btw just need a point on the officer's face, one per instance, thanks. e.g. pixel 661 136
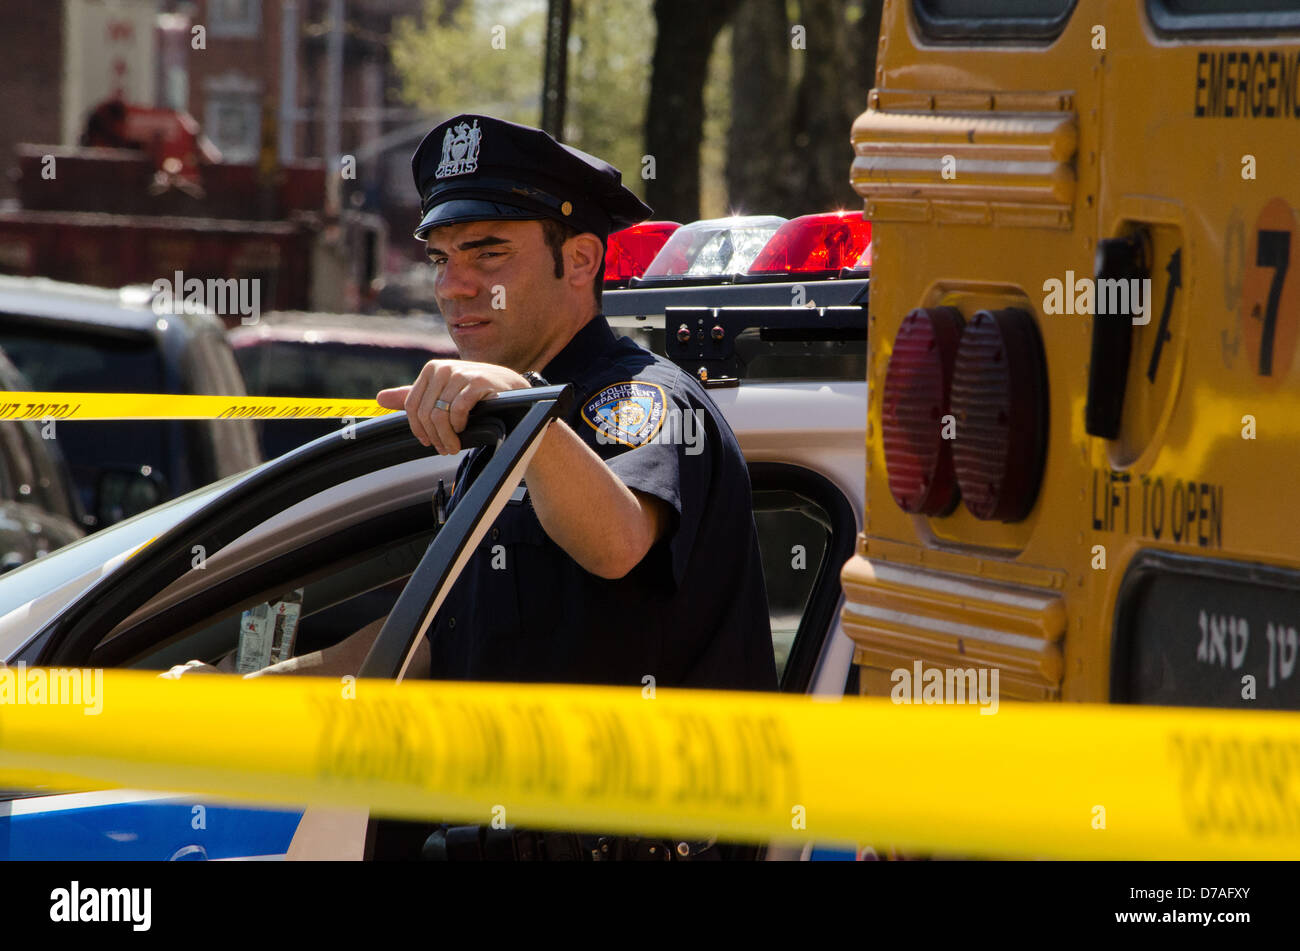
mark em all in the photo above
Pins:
pixel 496 287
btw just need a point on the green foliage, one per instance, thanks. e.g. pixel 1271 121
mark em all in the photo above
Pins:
pixel 448 65
pixel 609 78
pixel 717 120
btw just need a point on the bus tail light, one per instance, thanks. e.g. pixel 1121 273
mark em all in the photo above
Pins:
pixel 999 398
pixel 815 246
pixel 917 381
pixel 630 251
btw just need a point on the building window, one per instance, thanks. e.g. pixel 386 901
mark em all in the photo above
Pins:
pixel 234 18
pixel 233 117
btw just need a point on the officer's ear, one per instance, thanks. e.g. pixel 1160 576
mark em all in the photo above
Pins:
pixel 584 257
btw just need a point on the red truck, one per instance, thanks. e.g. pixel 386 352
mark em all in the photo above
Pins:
pixel 145 196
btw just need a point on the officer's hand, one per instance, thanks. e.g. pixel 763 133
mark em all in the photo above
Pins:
pixel 193 667
pixel 455 382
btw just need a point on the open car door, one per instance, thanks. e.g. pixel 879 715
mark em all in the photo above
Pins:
pixel 160 608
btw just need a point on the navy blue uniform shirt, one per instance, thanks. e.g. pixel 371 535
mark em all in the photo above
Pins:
pixel 693 613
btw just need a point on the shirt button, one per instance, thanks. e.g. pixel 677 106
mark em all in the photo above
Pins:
pixel 451 622
pixel 496 533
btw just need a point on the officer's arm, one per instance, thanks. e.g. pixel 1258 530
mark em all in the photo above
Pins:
pixel 342 658
pixel 583 506
pixel 345 657
pixel 587 510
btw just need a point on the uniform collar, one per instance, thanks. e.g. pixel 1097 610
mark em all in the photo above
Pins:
pixel 586 346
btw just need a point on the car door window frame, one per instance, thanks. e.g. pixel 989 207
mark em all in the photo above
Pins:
pixel 821 611
pixel 302 566
pixel 71 636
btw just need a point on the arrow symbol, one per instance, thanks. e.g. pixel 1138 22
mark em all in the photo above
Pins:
pixel 1175 271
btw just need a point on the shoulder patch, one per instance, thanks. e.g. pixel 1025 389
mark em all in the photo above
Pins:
pixel 628 413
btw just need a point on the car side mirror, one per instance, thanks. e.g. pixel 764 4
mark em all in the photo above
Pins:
pixel 126 492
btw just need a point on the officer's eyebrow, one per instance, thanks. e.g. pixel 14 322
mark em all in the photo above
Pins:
pixel 470 245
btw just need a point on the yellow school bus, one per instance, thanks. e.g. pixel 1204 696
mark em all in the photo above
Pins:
pixel 1083 435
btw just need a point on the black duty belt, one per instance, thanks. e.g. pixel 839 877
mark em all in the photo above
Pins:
pixel 482 843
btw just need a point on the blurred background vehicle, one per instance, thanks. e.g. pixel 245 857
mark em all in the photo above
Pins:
pixel 39 509
pixel 70 338
pixel 330 356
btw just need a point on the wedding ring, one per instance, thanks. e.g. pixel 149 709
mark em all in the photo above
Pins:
pixel 442 404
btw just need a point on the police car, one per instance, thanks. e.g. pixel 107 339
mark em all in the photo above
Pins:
pixel 351 528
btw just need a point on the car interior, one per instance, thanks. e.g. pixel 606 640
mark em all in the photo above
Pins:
pixel 353 576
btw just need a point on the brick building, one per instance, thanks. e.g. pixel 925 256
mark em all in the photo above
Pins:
pixel 58 58
pixel 31 56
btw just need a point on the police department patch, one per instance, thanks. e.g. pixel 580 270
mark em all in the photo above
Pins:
pixel 628 413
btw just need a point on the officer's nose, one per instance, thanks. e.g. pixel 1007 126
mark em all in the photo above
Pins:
pixel 455 282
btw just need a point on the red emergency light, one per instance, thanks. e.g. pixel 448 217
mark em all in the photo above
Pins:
pixel 818 245
pixel 630 251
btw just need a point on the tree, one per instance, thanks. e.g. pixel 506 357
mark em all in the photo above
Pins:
pixel 555 78
pixel 801 72
pixel 674 125
pixel 761 109
pixel 609 60
pixel 480 56
pixel 448 65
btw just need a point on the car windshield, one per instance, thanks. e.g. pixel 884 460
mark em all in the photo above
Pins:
pixel 328 369
pixel 325 370
pixel 43 575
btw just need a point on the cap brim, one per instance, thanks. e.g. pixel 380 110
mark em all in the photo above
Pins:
pixel 460 210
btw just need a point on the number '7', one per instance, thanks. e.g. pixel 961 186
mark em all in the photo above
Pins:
pixel 1275 252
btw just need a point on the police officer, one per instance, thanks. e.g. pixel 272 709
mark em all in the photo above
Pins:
pixel 633 553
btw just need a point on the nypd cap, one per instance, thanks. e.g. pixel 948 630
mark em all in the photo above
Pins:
pixel 476 168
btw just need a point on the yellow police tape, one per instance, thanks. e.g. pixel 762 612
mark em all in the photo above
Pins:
pixel 39 407
pixel 1061 780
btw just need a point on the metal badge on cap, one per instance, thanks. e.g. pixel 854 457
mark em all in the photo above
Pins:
pixel 459 151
